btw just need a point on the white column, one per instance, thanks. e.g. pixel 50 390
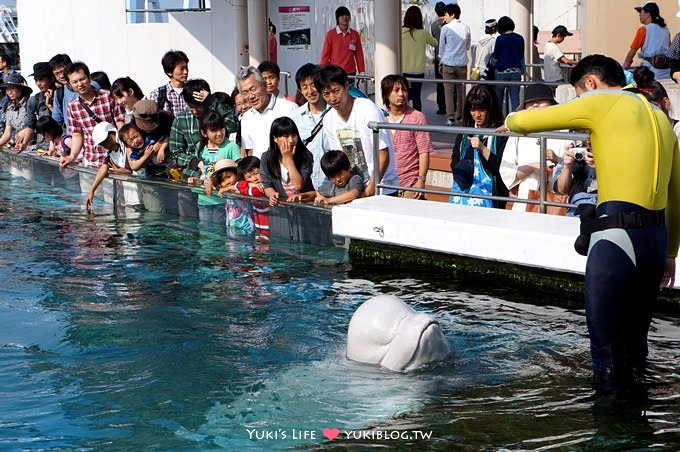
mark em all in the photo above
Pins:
pixel 258 31
pixel 387 42
pixel 240 33
pixel 520 13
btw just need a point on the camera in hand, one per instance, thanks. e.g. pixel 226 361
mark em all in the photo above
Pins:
pixel 579 153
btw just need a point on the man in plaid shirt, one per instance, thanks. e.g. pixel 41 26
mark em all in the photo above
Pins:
pixel 176 66
pixel 101 108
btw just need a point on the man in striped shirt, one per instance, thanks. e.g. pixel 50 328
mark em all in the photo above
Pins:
pixel 411 148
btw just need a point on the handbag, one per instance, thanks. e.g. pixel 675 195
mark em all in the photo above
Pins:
pixel 661 62
pixel 481 185
pixel 658 61
pixel 479 70
pixel 535 195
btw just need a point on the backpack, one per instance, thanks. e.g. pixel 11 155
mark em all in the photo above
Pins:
pixel 59 95
pixel 163 98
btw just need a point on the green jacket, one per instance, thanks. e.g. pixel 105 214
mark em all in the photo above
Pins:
pixel 185 135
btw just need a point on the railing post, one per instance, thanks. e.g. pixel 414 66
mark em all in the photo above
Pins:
pixel 542 174
pixel 286 77
pixel 376 162
pixel 114 184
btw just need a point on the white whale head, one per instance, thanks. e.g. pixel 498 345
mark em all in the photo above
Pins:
pixel 386 331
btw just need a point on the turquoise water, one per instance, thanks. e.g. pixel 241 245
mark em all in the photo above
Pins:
pixel 150 333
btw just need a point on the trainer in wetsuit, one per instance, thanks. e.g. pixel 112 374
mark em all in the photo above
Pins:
pixel 632 252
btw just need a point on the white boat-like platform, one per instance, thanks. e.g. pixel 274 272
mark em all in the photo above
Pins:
pixel 527 239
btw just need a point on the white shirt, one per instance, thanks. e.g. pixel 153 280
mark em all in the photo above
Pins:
pixel 255 126
pixel 552 71
pixel 355 138
pixel 454 42
pixel 520 151
pixel 119 157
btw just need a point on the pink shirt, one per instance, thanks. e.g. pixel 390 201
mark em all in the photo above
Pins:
pixel 408 145
pixel 343 49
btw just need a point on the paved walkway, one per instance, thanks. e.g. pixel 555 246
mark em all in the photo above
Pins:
pixel 442 142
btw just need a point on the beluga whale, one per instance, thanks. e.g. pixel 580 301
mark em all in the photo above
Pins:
pixel 386 331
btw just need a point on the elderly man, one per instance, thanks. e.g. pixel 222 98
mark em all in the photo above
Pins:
pixel 265 108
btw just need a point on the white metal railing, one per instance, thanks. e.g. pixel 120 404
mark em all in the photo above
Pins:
pixel 543 136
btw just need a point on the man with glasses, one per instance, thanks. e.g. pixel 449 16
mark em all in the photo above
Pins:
pixel 265 108
pixel 64 93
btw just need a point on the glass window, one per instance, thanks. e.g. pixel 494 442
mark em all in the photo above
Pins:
pixel 156 11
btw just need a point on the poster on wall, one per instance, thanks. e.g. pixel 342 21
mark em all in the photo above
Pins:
pixel 295 34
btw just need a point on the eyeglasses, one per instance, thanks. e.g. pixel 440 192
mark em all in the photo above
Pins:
pixel 252 90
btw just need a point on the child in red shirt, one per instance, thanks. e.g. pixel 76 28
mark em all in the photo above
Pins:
pixel 250 184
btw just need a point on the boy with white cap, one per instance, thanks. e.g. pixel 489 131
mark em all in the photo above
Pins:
pixel 105 135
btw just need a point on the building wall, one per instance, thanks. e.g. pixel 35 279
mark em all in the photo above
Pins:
pixel 612 24
pixel 96 32
pixel 102 39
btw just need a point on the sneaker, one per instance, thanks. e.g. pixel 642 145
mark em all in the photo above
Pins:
pixel 441 111
pixel 450 122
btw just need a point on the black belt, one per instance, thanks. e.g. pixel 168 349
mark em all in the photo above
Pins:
pixel 628 220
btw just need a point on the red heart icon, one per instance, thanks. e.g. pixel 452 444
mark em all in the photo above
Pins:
pixel 331 433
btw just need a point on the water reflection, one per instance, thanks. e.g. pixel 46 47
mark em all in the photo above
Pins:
pixel 151 332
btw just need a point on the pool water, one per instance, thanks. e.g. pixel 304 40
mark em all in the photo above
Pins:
pixel 149 332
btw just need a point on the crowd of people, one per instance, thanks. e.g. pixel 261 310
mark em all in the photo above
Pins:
pixel 172 132
pixel 183 131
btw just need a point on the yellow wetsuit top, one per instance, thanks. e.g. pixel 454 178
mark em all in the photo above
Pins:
pixel 635 149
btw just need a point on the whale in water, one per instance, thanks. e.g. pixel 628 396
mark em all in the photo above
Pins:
pixel 386 331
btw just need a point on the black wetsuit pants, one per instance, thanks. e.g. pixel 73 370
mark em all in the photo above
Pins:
pixel 623 273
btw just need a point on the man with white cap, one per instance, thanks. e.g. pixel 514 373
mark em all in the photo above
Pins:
pixel 553 56
pixel 105 135
pixel 652 40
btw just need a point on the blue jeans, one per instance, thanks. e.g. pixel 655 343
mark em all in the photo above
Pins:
pixel 416 87
pixel 513 91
